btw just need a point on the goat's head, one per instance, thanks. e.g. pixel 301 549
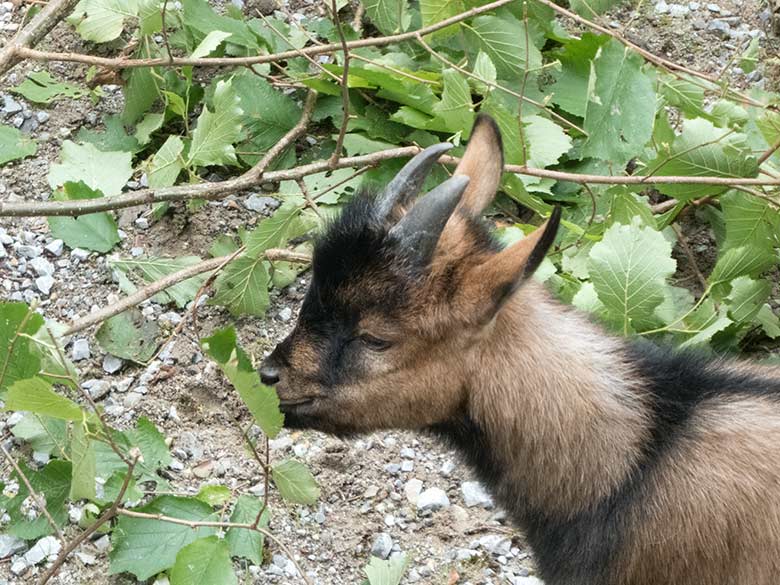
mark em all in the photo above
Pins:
pixel 400 292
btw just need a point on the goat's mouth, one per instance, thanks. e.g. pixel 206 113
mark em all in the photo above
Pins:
pixel 293 402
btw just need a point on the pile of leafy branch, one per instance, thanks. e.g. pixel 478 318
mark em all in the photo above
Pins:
pixel 588 123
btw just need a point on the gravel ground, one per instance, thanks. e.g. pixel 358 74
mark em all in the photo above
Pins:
pixel 381 494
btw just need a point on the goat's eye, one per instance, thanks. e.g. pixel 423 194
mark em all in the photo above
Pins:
pixel 374 343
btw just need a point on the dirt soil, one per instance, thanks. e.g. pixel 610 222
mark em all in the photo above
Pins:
pixel 363 481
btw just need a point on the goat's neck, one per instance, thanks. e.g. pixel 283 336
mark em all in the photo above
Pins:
pixel 556 406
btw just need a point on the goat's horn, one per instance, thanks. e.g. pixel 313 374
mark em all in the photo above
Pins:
pixel 407 183
pixel 420 228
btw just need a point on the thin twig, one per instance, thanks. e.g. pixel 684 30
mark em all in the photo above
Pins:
pixel 39 501
pixel 683 241
pixel 195 301
pixel 32 33
pixel 168 281
pixel 165 31
pixel 309 201
pixel 214 191
pixel 107 516
pixel 764 157
pixel 122 63
pixel 334 159
pixel 88 397
pixel 494 85
pixel 224 525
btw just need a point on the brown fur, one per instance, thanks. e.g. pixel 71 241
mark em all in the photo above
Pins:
pixel 565 411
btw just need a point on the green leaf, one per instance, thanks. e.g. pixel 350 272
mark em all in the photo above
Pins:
pixel 267 115
pixel 455 107
pixel 18 358
pixel 53 483
pixel 741 261
pixel 389 572
pixel 244 543
pixel 546 141
pixel 107 172
pixel 209 44
pixel 149 124
pixel 43 433
pixel 746 298
pixel 749 58
pixel 272 232
pixel 242 286
pixel 153 269
pixel 261 400
pixel 14 144
pixel 200 19
pixel 590 8
pixel 94 231
pixel 113 139
pixel 204 562
pixel 151 443
pixel 103 20
pixel 485 71
pixel 749 221
pixel 213 138
pixel 702 150
pixel 621 105
pixel 629 268
pixel 295 482
pixel 626 206
pixel 36 395
pixel 82 455
pixel 42 88
pixel 573 84
pixel 215 495
pixel 502 39
pixel 389 16
pixel 129 336
pixel 167 163
pixel 769 322
pixel 144 547
pixel 683 94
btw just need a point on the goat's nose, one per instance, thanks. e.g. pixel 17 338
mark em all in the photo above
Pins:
pixel 269 374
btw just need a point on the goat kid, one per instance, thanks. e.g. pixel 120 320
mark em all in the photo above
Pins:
pixel 623 464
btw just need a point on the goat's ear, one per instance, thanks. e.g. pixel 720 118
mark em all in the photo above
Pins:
pixel 483 163
pixel 489 285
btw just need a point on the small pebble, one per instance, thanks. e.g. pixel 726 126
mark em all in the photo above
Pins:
pixel 112 364
pixel 80 350
pixel 383 546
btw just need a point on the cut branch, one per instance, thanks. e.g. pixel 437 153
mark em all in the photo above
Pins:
pixel 122 63
pixel 212 191
pixel 32 33
pixel 157 286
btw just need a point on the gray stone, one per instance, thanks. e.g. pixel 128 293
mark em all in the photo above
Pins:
pixel 678 10
pixel 142 223
pixel 19 566
pixel 408 453
pixel 41 550
pixel 475 495
pixel 98 389
pixel 447 468
pixel 526 581
pixel 285 314
pixel 112 364
pixel 41 457
pixel 383 545
pixel 393 468
pixel 80 350
pixel 720 27
pixel 44 284
pixel 41 266
pixel 42 117
pixel 412 489
pixel 28 251
pixel 661 7
pixel 132 399
pixel 10 545
pixel 79 254
pixel 55 247
pixel 713 8
pixel 260 203
pixel 496 544
pixel 407 466
pixel 10 105
pixel 432 499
